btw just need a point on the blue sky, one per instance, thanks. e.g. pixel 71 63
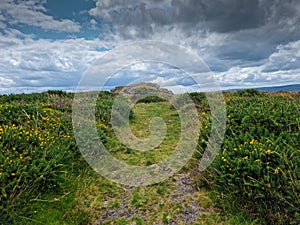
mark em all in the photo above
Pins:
pixel 49 44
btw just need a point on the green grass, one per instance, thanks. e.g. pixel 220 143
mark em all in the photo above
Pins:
pixel 45 180
pixel 86 197
pixel 140 127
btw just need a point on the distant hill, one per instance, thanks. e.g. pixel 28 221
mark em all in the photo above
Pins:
pixel 289 88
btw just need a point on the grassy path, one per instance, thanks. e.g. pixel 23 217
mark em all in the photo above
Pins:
pixel 175 201
pixel 90 199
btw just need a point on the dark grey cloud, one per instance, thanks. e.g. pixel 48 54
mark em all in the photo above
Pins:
pixel 253 28
pixel 221 16
pixel 217 15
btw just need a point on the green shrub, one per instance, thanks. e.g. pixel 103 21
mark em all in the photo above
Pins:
pixel 262 176
pixel 37 148
pixel 257 168
pixel 249 93
pixel 150 99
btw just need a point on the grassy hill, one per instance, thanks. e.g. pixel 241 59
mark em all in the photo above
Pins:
pixel 254 179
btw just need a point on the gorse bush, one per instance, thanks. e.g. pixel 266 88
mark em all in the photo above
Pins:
pixel 22 98
pixel 257 168
pixel 36 149
pixel 249 93
pixel 263 175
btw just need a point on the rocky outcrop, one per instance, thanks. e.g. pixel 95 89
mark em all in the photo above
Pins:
pixel 141 89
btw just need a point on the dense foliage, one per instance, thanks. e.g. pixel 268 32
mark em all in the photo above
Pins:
pixel 258 167
pixel 36 145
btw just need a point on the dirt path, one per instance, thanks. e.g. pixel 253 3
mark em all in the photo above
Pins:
pixel 192 204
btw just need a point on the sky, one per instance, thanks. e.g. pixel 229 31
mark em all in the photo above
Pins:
pixel 50 44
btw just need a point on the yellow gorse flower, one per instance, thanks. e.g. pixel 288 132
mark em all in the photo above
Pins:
pixel 269 151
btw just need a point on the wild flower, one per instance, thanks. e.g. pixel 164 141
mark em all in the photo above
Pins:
pixel 269 151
